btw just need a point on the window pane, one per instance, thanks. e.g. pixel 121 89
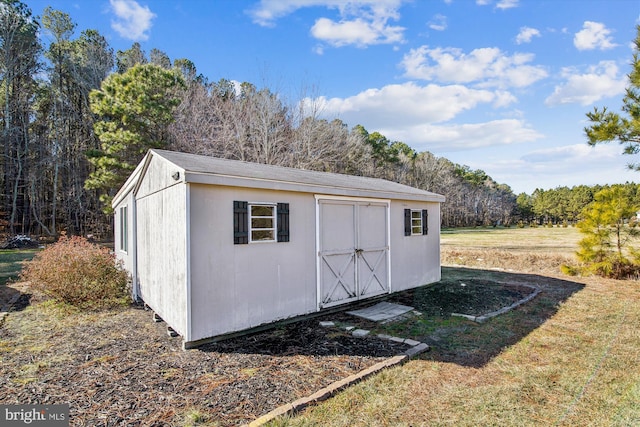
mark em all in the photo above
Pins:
pixel 258 210
pixel 257 235
pixel 261 222
pixel 416 221
pixel 123 228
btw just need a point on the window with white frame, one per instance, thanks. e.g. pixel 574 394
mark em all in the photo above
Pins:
pixel 262 222
pixel 416 221
pixel 123 229
pixel 255 222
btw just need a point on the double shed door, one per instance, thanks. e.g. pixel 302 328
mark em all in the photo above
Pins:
pixel 353 250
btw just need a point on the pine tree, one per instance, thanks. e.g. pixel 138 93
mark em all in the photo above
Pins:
pixel 609 227
pixel 134 109
pixel 608 126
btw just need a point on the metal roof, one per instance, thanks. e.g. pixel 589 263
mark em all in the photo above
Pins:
pixel 214 170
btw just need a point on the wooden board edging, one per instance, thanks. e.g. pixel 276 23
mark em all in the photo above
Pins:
pixel 337 386
pixel 327 392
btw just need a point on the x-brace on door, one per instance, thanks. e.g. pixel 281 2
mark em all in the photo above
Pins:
pixel 353 250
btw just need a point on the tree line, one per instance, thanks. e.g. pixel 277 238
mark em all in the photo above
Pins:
pixel 77 117
pixel 564 205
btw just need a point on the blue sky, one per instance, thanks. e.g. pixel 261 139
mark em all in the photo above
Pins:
pixel 498 85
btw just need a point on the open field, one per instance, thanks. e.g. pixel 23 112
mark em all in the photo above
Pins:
pixel 569 357
pixel 537 250
pixel 543 240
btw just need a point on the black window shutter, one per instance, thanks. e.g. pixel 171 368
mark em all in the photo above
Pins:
pixel 240 223
pixel 425 221
pixel 283 222
pixel 407 222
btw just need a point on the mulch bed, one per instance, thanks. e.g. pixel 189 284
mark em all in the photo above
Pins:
pixel 120 368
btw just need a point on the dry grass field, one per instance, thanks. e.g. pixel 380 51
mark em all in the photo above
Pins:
pixel 536 250
pixel 569 357
pixel 541 240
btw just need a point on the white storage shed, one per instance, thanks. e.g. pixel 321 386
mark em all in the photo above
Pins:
pixel 218 246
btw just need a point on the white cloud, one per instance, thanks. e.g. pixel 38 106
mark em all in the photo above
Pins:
pixel 594 35
pixel 407 104
pixel 569 165
pixel 507 4
pixel 361 22
pixel 501 4
pixel 578 153
pixel 486 67
pixel 438 23
pixel 458 137
pixel 526 34
pixel 268 11
pixel 132 20
pixel 503 98
pixel 418 116
pixel 599 81
pixel 358 32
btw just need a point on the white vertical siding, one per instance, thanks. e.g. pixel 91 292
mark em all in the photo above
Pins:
pixel 162 245
pixel 415 260
pixel 159 175
pixel 235 287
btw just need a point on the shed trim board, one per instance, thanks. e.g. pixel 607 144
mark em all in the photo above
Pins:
pixel 187 221
pixel 275 184
pixel 204 284
pixel 135 286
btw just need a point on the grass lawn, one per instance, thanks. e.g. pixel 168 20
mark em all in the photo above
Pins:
pixel 569 357
pixel 11 263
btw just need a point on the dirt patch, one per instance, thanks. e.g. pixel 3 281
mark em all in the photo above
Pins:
pixel 473 297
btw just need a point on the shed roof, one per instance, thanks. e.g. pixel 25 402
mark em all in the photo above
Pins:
pixel 218 171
